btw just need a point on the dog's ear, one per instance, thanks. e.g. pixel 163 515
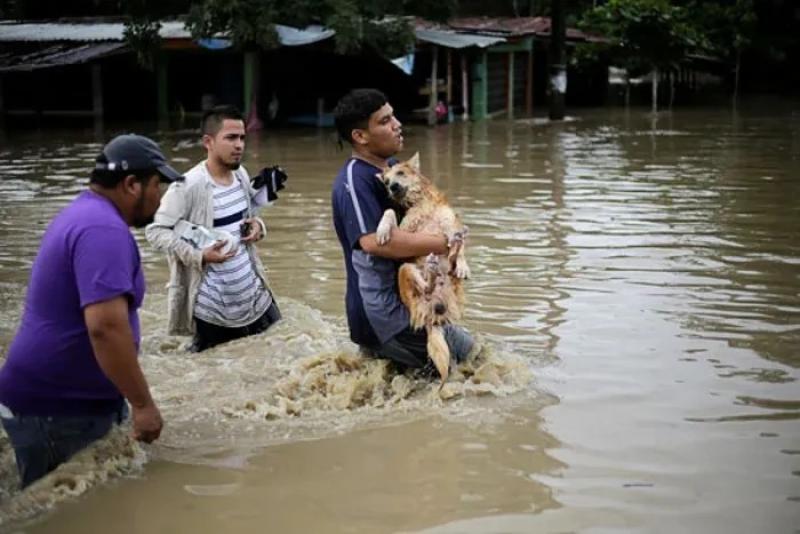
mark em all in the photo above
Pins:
pixel 414 161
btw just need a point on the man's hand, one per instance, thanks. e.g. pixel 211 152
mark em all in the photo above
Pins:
pixel 214 254
pixel 255 230
pixel 147 423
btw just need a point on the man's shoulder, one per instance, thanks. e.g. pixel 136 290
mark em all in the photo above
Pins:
pixel 359 174
pixel 365 170
pixel 242 173
pixel 195 175
pixel 89 211
pixel 346 177
pixel 89 230
pixel 198 175
pixel 340 181
pixel 195 181
pixel 359 178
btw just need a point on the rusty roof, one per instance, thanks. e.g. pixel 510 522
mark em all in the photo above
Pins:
pixel 514 27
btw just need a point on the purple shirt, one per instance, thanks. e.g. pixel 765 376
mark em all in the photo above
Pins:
pixel 88 255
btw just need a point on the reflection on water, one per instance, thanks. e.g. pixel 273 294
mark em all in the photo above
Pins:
pixel 645 273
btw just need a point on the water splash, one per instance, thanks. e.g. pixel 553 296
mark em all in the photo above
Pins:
pixel 112 457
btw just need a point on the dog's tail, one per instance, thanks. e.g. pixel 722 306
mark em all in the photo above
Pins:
pixel 438 351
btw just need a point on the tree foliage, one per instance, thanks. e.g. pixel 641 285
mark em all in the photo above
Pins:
pixel 382 25
pixel 142 35
pixel 759 33
pixel 728 27
pixel 642 34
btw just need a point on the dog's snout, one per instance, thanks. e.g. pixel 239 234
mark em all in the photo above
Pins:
pixel 394 187
pixel 439 308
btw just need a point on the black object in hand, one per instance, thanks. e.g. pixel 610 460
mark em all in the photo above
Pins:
pixel 273 179
pixel 245 228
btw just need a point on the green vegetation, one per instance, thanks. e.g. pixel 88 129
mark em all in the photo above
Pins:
pixel 730 30
pixel 380 25
pixel 643 36
pixel 756 38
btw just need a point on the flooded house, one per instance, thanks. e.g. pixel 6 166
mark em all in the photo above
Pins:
pixel 469 68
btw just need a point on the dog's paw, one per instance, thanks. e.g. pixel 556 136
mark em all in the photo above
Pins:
pixel 456 238
pixel 432 262
pixel 462 270
pixel 384 232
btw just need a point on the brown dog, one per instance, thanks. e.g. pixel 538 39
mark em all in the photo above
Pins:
pixel 430 287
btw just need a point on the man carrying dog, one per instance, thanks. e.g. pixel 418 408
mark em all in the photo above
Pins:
pixel 218 292
pixel 378 320
pixel 73 361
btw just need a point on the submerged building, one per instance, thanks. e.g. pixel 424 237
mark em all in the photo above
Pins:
pixel 470 68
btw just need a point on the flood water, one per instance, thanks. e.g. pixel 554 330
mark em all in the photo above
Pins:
pixel 636 289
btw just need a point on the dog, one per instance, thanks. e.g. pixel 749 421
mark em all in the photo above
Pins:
pixel 430 287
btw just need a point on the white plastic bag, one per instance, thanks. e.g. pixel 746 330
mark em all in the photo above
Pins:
pixel 201 237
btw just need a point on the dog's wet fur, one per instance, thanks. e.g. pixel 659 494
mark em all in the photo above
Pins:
pixel 430 287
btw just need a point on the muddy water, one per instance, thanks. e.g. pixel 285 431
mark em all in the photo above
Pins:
pixel 636 291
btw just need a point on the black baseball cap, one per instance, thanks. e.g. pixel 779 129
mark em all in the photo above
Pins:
pixel 131 152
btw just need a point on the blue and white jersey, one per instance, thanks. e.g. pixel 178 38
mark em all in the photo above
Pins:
pixel 375 312
pixel 231 294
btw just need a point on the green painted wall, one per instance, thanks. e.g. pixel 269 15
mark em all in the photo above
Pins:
pixel 480 86
pixel 251 74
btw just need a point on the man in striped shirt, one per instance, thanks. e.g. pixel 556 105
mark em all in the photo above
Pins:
pixel 219 292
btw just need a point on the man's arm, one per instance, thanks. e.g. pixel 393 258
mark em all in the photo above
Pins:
pixel 115 351
pixel 404 245
pixel 160 233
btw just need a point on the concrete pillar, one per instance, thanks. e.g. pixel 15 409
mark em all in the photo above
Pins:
pixel 320 111
pixel 529 84
pixel 97 91
pixel 252 74
pixel 162 88
pixel 449 85
pixel 434 96
pixel 464 88
pixel 480 85
pixel 558 66
pixel 510 91
pixel 2 113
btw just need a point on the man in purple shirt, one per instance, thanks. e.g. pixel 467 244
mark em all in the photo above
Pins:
pixel 74 360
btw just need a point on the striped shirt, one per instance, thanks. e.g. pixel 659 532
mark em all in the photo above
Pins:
pixel 231 294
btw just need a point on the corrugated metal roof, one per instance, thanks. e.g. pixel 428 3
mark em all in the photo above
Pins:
pixel 515 27
pixel 511 26
pixel 289 36
pixel 114 31
pixel 457 33
pixel 452 39
pixel 82 32
pixel 56 55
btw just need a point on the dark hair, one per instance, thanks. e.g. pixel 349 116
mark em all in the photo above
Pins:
pixel 214 117
pixel 354 110
pixel 109 179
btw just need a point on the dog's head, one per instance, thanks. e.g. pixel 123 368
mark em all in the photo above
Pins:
pixel 404 182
